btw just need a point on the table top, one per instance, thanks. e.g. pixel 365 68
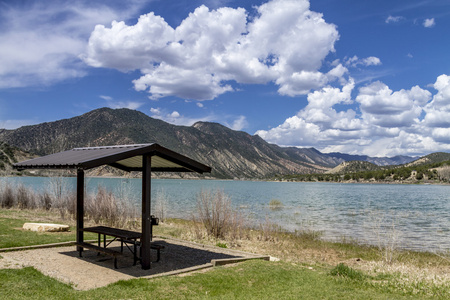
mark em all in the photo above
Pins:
pixel 120 233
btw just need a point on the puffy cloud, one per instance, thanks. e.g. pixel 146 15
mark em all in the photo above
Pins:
pixel 441 135
pixel 442 98
pixel 41 40
pixel 438 110
pixel 240 123
pixel 371 61
pixel 383 123
pixel 368 61
pixel 319 124
pixel 428 23
pixel 381 106
pixel 284 43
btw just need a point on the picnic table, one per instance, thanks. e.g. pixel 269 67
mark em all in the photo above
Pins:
pixel 126 237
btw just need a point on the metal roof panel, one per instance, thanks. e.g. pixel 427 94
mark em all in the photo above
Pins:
pixel 126 157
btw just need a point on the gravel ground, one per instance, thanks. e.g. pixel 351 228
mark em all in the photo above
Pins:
pixel 64 263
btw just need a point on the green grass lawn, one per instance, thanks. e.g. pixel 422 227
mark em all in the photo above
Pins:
pixel 249 280
pixel 12 234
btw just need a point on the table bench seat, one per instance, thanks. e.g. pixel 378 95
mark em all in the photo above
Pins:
pixel 106 251
pixel 158 250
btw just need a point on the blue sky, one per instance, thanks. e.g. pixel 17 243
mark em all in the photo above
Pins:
pixel 360 77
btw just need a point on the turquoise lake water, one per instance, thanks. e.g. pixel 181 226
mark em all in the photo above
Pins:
pixel 416 217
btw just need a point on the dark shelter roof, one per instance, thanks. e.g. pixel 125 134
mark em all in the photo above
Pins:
pixel 124 157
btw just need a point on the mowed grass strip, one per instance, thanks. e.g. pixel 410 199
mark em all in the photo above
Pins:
pixel 248 280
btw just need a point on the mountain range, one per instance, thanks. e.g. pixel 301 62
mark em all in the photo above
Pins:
pixel 230 153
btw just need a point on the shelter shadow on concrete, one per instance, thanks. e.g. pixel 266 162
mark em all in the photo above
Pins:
pixel 174 257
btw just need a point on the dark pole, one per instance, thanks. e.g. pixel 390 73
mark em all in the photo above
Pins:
pixel 80 207
pixel 146 210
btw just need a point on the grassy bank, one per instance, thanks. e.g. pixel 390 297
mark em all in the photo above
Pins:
pixel 309 268
pixel 249 280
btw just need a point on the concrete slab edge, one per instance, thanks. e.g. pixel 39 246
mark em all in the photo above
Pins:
pixel 226 261
pixel 34 247
pixel 213 263
pixel 208 246
pixel 178 272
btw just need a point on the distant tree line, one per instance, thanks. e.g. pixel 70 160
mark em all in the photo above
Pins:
pixel 434 172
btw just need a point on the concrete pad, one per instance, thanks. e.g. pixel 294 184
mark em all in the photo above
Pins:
pixel 64 263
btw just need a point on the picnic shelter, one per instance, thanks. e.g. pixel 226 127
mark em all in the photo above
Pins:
pixel 138 157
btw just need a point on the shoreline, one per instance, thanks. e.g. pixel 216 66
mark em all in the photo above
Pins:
pixel 404 182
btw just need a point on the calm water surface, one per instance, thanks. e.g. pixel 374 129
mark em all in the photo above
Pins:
pixel 415 216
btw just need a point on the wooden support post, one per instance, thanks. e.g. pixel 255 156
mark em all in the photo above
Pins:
pixel 80 208
pixel 146 212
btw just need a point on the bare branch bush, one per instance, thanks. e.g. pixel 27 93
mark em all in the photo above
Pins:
pixel 105 208
pixel 198 229
pixel 102 207
pixel 25 198
pixel 61 198
pixel 161 205
pixel 7 199
pixel 269 231
pixel 215 212
pixel 387 237
pixel 45 201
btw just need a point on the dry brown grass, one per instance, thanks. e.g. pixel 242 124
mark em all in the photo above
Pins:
pixel 218 217
pixel 101 207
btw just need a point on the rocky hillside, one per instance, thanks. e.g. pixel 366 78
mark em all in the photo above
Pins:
pixel 379 161
pixel 10 155
pixel 353 167
pixel 430 159
pixel 230 153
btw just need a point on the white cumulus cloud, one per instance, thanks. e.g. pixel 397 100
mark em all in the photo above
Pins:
pixel 383 123
pixel 428 23
pixel 368 61
pixel 285 43
pixel 438 110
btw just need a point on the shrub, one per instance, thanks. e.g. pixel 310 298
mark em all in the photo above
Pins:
pixel 275 204
pixel 105 208
pixel 221 245
pixel 45 201
pixel 342 270
pixel 161 205
pixel 269 231
pixel 217 216
pixel 24 198
pixel 7 199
